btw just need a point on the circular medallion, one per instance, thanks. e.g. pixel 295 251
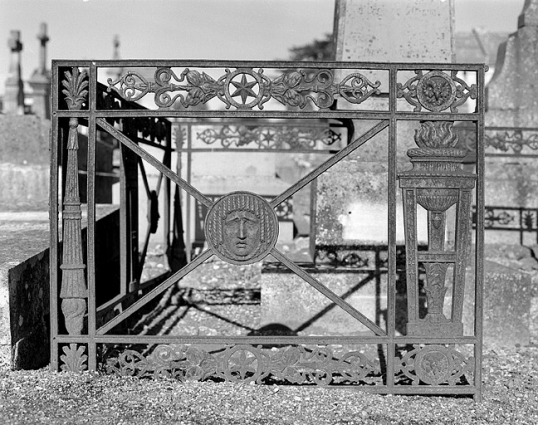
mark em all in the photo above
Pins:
pixel 436 91
pixel 243 84
pixel 241 228
pixel 433 365
pixel 243 363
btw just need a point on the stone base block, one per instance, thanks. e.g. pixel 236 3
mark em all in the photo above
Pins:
pixel 24 185
pixel 289 301
pixel 507 305
pixel 423 328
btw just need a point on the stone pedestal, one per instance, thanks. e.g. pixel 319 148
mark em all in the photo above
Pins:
pixel 290 301
pixel 40 85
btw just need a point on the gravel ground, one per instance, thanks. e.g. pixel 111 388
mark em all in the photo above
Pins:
pixel 510 377
pixel 44 397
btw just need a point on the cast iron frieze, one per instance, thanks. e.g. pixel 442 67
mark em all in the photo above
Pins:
pixel 241 228
pixel 246 363
pixel 245 88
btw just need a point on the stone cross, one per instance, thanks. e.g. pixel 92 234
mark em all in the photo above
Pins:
pixel 115 73
pixel 116 43
pixel 14 93
pixel 40 79
pixel 43 38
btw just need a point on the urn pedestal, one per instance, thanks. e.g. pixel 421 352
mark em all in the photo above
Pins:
pixel 436 182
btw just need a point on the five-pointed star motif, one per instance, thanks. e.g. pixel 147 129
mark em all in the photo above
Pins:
pixel 244 89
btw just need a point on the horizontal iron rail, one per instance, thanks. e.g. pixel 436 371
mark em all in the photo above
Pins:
pixel 283 340
pixel 404 66
pixel 354 114
pixel 257 150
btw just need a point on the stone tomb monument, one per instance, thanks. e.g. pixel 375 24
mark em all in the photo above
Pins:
pixel 350 205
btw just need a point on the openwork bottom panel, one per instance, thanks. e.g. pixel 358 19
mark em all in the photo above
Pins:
pixel 292 364
pixel 434 364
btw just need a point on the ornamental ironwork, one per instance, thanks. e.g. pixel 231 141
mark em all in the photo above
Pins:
pixel 436 91
pixel 435 365
pixel 436 182
pixel 245 88
pixel 512 219
pixel 241 226
pixel 517 141
pixel 268 137
pixel 246 363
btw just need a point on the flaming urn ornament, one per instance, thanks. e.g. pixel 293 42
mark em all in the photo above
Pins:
pixel 436 182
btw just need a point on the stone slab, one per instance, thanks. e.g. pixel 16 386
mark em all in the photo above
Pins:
pixel 24 186
pixel 25 281
pixel 507 305
pixel 24 140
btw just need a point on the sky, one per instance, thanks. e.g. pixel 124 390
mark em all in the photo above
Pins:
pixel 193 29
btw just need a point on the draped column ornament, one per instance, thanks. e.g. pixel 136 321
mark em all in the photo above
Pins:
pixel 436 182
pixel 74 291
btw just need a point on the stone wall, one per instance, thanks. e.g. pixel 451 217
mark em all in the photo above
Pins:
pixel 24 162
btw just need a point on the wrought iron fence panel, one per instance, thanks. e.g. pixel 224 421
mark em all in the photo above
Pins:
pixel 434 356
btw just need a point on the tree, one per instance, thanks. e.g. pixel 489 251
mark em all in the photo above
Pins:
pixel 317 50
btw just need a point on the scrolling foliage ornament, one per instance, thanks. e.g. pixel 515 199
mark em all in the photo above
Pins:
pixel 244 88
pixel 436 91
pixel 246 363
pixel 434 365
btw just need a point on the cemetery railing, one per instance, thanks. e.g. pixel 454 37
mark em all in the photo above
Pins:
pixel 438 351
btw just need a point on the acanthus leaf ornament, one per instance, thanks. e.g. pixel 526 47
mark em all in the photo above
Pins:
pixel 74 359
pixel 200 87
pixel 75 91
